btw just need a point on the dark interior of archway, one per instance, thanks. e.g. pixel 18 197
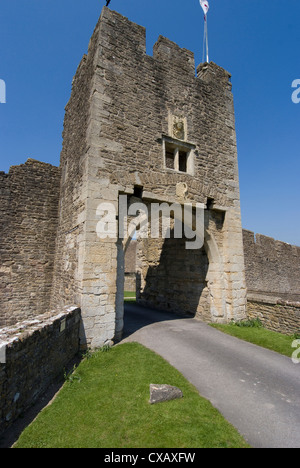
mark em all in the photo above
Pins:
pixel 176 281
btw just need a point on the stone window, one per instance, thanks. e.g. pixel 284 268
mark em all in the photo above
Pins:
pixel 138 191
pixel 178 156
pixel 170 158
pixel 183 157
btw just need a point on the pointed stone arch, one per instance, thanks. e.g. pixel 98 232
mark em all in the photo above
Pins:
pixel 214 297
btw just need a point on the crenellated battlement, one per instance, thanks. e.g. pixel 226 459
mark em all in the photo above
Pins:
pixel 164 50
pixel 210 72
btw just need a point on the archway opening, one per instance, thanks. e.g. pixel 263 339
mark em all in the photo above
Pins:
pixel 174 278
pixel 168 276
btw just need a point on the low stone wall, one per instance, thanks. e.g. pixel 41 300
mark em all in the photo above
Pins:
pixel 275 314
pixel 32 354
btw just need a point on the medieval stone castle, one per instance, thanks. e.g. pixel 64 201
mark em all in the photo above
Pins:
pixel 157 130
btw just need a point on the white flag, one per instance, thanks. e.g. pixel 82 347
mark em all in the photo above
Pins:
pixel 205 6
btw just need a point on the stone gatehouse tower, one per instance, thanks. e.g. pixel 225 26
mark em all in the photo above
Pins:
pixel 150 128
pixel 147 127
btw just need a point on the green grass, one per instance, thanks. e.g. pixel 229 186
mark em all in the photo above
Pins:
pixel 105 403
pixel 253 332
pixel 129 296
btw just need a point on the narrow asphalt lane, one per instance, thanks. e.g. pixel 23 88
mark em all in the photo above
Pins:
pixel 257 390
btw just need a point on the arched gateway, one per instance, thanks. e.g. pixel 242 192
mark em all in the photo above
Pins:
pixel 146 130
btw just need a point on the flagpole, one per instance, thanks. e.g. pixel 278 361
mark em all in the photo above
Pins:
pixel 205 7
pixel 206 34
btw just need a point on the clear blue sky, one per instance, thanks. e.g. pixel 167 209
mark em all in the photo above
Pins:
pixel 258 41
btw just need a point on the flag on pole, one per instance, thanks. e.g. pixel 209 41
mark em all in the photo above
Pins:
pixel 205 6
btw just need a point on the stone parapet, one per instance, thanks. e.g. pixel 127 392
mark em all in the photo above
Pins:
pixel 276 315
pixel 32 354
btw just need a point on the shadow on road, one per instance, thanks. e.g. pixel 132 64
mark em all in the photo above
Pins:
pixel 137 317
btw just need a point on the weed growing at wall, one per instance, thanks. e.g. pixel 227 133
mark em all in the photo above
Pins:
pixel 253 323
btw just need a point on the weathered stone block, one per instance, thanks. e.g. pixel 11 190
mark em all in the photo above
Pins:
pixel 161 393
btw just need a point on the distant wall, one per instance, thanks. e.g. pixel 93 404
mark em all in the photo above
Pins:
pixel 130 282
pixel 130 267
pixel 32 354
pixel 130 257
pixel 29 198
pixel 272 267
pixel 273 282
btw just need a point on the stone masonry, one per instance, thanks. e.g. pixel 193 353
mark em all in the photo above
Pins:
pixel 273 282
pixel 272 267
pixel 153 129
pixel 139 130
pixel 130 267
pixel 129 114
pixel 33 353
pixel 272 277
pixel 158 131
pixel 29 197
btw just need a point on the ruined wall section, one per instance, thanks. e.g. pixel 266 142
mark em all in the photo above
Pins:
pixel 29 198
pixel 272 267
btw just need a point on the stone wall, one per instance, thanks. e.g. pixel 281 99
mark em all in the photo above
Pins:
pixel 276 315
pixel 127 113
pixel 130 282
pixel 32 354
pixel 130 267
pixel 131 257
pixel 67 282
pixel 29 198
pixel 174 279
pixel 158 130
pixel 273 281
pixel 272 267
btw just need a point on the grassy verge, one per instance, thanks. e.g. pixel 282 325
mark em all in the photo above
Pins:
pixel 105 403
pixel 256 334
pixel 129 296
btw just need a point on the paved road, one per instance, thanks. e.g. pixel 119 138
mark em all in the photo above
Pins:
pixel 257 390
